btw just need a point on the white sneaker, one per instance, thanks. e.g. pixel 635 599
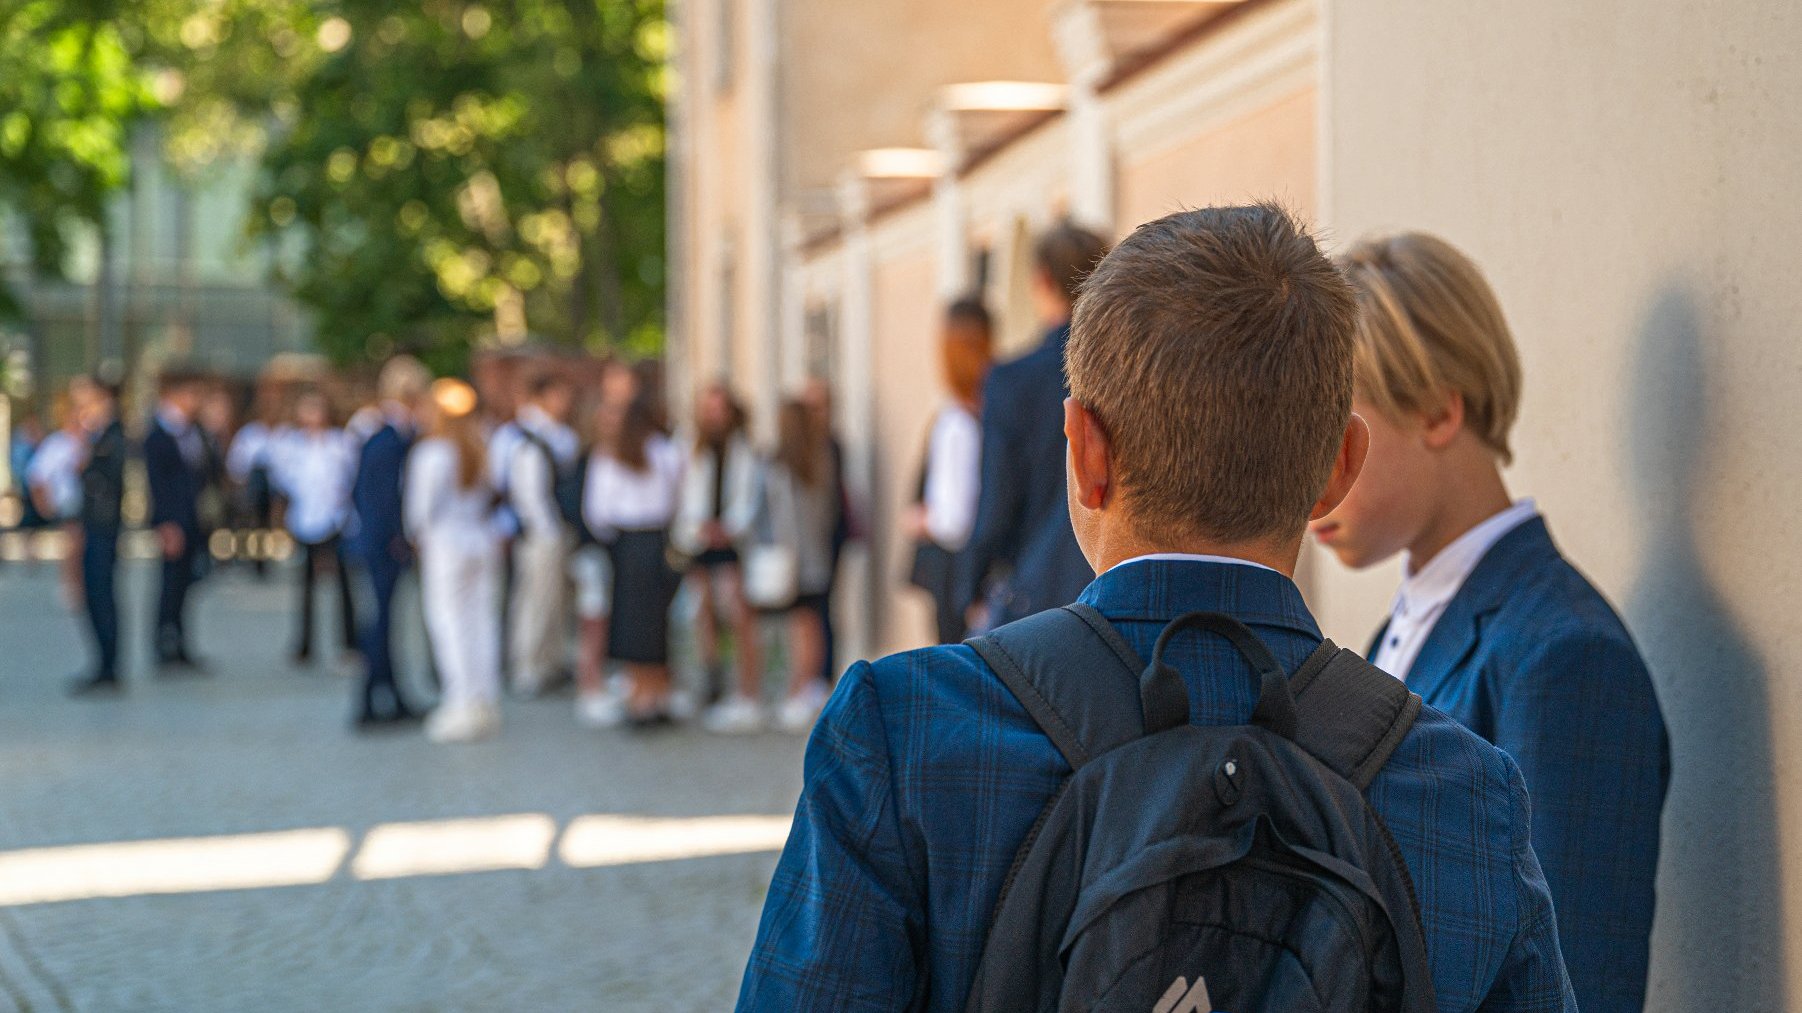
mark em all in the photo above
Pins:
pixel 682 705
pixel 462 723
pixel 600 710
pixel 735 715
pixel 797 713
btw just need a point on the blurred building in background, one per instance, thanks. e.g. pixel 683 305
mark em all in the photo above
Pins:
pixel 1625 177
pixel 174 279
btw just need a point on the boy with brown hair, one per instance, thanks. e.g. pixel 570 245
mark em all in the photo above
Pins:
pixel 1491 624
pixel 1020 557
pixel 1210 369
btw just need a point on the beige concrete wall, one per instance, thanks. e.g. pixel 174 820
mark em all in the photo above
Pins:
pixel 1268 153
pixel 1627 175
pixel 907 393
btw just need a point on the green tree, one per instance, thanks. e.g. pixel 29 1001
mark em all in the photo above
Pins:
pixel 70 92
pixel 456 172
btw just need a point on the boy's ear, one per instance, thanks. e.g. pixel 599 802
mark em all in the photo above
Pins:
pixel 1091 465
pixel 1348 464
pixel 1439 427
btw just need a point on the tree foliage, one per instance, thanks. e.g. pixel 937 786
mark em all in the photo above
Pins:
pixel 437 174
pixel 69 92
pixel 456 170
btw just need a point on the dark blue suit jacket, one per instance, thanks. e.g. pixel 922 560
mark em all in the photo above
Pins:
pixel 924 776
pixel 1531 657
pixel 175 485
pixel 377 534
pixel 1022 517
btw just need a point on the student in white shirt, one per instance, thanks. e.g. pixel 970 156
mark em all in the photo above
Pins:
pixel 449 512
pixel 629 500
pixel 1492 626
pixel 311 465
pixel 941 521
pixel 719 504
pixel 544 448
pixel 53 479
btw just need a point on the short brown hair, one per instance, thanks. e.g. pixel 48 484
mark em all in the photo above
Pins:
pixel 1215 348
pixel 1427 324
pixel 1067 253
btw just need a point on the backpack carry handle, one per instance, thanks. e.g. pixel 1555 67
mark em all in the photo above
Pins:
pixel 1164 697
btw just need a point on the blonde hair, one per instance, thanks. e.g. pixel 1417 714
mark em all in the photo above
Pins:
pixel 1429 324
pixel 403 378
pixel 454 419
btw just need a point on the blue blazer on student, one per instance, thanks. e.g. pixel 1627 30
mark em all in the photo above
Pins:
pixel 1531 657
pixel 375 534
pixel 175 485
pixel 1022 517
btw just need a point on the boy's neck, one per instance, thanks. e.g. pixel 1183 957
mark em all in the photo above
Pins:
pixel 1111 548
pixel 1473 492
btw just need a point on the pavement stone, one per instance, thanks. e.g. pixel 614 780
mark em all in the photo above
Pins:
pixel 258 745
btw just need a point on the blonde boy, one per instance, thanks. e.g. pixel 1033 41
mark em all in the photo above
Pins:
pixel 1491 624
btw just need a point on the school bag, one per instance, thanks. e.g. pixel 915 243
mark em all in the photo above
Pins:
pixel 1190 869
pixel 566 484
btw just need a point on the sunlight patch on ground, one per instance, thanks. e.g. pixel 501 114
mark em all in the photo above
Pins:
pixel 441 847
pixel 172 865
pixel 387 851
pixel 623 840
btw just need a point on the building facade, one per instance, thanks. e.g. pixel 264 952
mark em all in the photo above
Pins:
pixel 1623 176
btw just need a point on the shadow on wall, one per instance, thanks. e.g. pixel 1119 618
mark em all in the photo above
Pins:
pixel 1718 939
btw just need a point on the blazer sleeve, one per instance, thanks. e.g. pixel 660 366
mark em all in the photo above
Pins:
pixel 1581 719
pixel 1000 500
pixel 1532 978
pixel 842 927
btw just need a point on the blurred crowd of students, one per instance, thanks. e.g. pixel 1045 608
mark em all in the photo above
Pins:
pixel 551 524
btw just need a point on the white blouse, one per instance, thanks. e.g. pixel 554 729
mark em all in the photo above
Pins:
pixel 442 514
pixel 314 470
pixel 617 498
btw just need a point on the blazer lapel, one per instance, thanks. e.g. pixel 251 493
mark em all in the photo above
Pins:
pixel 1459 629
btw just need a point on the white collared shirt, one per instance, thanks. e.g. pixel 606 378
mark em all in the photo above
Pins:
pixel 314 470
pixel 953 476
pixel 1425 593
pixel 559 437
pixel 617 498
pixel 1188 557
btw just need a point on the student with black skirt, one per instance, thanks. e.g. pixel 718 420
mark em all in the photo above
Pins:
pixel 629 501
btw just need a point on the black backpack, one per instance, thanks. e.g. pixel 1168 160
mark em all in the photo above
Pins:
pixel 566 484
pixel 1188 869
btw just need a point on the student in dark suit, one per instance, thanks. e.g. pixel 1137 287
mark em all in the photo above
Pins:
pixel 376 541
pixel 1022 521
pixel 102 491
pixel 925 773
pixel 175 462
pixel 1491 624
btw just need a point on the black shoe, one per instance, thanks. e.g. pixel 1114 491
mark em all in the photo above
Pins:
pixel 96 685
pixel 301 659
pixel 384 722
pixel 654 720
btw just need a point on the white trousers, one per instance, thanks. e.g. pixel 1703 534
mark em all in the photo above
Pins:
pixel 536 648
pixel 460 590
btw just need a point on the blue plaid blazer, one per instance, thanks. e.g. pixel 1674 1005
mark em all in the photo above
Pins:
pixel 924 775
pixel 1529 656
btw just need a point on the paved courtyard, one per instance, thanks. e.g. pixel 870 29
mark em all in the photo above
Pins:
pixel 286 864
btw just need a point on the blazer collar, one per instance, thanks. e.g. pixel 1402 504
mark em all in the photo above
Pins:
pixel 1488 587
pixel 1159 590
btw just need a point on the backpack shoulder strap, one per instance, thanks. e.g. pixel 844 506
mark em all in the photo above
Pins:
pixel 1075 675
pixel 1351 714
